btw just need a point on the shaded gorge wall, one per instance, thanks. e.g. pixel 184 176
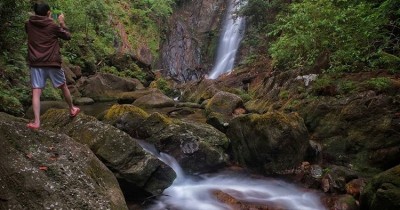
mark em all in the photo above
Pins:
pixel 189 49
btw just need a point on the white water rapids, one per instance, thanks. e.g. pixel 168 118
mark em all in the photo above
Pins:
pixel 232 34
pixel 188 193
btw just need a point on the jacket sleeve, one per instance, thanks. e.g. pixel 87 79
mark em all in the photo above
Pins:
pixel 63 33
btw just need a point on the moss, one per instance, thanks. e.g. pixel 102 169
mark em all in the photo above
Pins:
pixel 258 106
pixel 160 118
pixel 117 110
pixel 10 104
pixel 87 138
pixel 383 191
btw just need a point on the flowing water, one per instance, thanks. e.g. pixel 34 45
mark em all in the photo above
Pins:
pixel 232 34
pixel 190 193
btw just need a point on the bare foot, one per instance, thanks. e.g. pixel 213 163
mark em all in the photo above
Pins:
pixel 33 126
pixel 74 111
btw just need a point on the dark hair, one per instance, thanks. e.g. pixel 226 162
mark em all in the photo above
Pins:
pixel 41 8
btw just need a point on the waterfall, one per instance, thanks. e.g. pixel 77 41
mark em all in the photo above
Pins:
pixel 198 193
pixel 232 34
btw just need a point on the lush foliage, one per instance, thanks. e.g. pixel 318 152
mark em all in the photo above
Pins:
pixel 99 29
pixel 354 34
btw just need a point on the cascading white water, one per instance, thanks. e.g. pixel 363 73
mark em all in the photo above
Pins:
pixel 197 194
pixel 232 34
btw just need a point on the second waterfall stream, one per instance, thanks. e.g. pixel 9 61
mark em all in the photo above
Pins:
pixel 232 34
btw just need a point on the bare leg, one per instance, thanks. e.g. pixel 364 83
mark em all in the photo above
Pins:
pixel 36 93
pixel 67 95
pixel 68 98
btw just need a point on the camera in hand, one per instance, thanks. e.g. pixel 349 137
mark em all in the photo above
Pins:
pixel 55 12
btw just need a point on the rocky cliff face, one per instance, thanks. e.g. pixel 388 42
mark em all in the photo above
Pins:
pixel 188 51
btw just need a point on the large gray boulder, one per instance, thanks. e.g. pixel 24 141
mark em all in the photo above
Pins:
pixel 198 147
pixel 382 191
pixel 103 86
pixel 270 143
pixel 120 152
pixel 154 100
pixel 224 103
pixel 47 170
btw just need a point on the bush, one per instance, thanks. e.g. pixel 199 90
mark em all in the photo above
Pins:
pixel 346 87
pixel 380 84
pixel 10 104
pixel 164 86
pixel 350 32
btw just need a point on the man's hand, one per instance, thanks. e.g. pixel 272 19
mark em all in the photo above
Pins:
pixel 61 20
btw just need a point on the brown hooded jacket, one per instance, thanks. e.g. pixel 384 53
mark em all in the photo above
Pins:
pixel 43 44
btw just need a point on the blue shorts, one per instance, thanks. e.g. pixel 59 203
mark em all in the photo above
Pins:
pixel 39 76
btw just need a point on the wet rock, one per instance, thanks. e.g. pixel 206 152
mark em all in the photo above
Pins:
pixel 103 86
pixel 345 202
pixel 128 118
pixel 224 103
pixel 336 178
pixel 237 204
pixel 355 186
pixel 120 152
pixel 191 40
pixel 130 97
pixel 172 136
pixel 198 147
pixel 154 100
pixel 382 191
pixel 83 101
pixel 355 130
pixel 198 92
pixel 188 104
pixel 270 143
pixel 218 121
pixel 47 170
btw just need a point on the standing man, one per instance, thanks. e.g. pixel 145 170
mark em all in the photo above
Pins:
pixel 44 57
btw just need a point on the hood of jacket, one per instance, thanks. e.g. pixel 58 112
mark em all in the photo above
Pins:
pixel 40 21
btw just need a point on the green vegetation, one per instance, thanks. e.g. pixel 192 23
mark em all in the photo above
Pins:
pixel 355 35
pixel 380 83
pixel 164 86
pixel 346 87
pixel 100 29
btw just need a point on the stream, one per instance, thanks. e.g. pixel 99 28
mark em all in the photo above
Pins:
pixel 198 193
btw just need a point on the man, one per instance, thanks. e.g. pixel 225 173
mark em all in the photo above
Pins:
pixel 44 57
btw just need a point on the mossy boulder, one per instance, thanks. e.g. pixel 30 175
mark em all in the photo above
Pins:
pixel 46 105
pixel 120 152
pixel 198 92
pixel 105 87
pixel 359 130
pixel 49 170
pixel 218 120
pixel 126 116
pixel 345 202
pixel 130 97
pixel 83 101
pixel 269 143
pixel 224 103
pixel 154 100
pixel 198 147
pixel 382 191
